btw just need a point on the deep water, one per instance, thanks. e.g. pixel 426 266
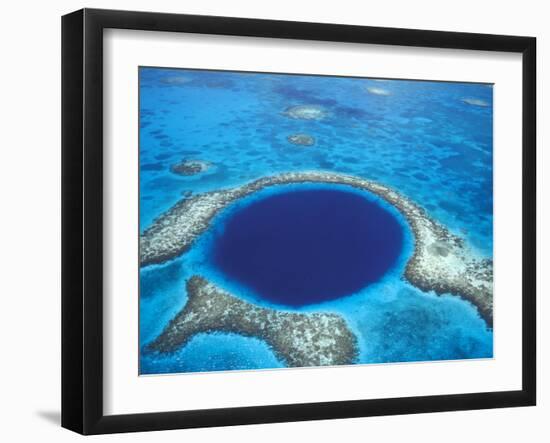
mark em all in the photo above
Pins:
pixel 420 138
pixel 304 247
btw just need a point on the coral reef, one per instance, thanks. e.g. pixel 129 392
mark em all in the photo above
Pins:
pixel 378 91
pixel 475 102
pixel 175 80
pixel 190 167
pixel 301 139
pixel 300 340
pixel 441 262
pixel 306 112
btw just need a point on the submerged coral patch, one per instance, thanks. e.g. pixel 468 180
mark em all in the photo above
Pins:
pixel 475 102
pixel 301 139
pixel 190 167
pixel 303 95
pixel 218 84
pixel 378 91
pixel 306 112
pixel 298 339
pixel 175 80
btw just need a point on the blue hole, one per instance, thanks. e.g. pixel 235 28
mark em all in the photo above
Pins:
pixel 308 246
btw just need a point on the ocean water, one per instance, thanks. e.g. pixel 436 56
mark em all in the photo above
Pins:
pixel 302 247
pixel 420 138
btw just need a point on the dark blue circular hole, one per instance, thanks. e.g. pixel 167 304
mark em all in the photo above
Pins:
pixel 308 246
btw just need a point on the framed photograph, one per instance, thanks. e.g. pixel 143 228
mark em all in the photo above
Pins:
pixel 270 221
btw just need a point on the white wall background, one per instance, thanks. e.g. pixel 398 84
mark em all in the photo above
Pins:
pixel 30 221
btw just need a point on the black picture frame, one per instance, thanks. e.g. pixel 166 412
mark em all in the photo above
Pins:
pixel 82 216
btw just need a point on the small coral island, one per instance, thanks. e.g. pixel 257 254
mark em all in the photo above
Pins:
pixel 306 112
pixel 378 91
pixel 442 261
pixel 190 167
pixel 317 339
pixel 175 80
pixel 475 102
pixel 301 139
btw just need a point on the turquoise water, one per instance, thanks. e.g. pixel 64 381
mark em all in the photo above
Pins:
pixel 418 137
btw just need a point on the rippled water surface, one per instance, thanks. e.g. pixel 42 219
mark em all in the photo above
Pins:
pixel 431 141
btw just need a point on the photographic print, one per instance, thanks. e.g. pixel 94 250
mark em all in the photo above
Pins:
pixel 292 221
